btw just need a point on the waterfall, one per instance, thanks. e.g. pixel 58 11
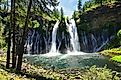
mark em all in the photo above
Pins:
pixel 54 32
pixel 85 42
pixel 94 42
pixel 74 35
pixel 53 50
pixel 52 42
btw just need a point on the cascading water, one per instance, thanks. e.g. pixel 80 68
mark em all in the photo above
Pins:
pixel 53 42
pixel 74 35
pixel 74 58
pixel 71 59
pixel 73 40
pixel 54 50
pixel 53 47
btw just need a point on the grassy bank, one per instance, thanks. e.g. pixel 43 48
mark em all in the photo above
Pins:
pixel 114 54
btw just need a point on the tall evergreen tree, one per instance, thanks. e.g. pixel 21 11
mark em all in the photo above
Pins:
pixel 40 6
pixel 56 13
pixel 62 13
pixel 20 55
pixel 74 15
pixel 14 45
pixel 79 5
pixel 9 37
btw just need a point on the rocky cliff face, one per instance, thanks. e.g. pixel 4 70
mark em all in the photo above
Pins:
pixel 98 27
pixel 105 16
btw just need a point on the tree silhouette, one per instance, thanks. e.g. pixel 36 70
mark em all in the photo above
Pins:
pixel 9 37
pixel 79 5
pixel 62 13
pixel 14 43
pixel 20 55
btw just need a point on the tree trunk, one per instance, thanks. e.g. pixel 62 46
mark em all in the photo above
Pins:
pixel 20 55
pixel 14 45
pixel 8 50
pixel 9 38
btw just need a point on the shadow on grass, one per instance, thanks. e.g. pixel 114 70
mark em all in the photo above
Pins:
pixel 28 75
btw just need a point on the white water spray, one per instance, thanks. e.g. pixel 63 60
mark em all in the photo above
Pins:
pixel 74 35
pixel 53 51
pixel 53 47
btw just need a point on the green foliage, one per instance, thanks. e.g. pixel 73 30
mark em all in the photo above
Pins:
pixel 116 58
pixel 92 73
pixel 36 24
pixel 112 52
pixel 79 5
pixel 119 35
pixel 56 14
pixel 39 9
pixel 2 38
pixel 4 75
pixel 62 13
pixel 87 5
pixel 99 74
pixel 92 4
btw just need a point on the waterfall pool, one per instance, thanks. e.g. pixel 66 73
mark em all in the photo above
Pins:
pixel 71 61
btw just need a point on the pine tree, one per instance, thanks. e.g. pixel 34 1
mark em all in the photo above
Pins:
pixel 62 13
pixel 14 45
pixel 20 55
pixel 56 13
pixel 9 37
pixel 39 6
pixel 79 5
pixel 98 2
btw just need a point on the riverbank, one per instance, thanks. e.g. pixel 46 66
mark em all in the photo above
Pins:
pixel 34 72
pixel 114 54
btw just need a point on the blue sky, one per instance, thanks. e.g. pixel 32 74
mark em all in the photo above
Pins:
pixel 69 6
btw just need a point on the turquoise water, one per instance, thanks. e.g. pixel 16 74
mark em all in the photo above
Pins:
pixel 71 61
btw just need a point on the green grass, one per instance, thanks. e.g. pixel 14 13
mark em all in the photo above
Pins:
pixel 116 58
pixel 4 75
pixel 114 54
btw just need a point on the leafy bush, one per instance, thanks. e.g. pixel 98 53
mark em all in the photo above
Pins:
pixel 119 36
pixel 112 52
pixel 116 58
pixel 92 73
pixel 99 74
pixel 115 54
